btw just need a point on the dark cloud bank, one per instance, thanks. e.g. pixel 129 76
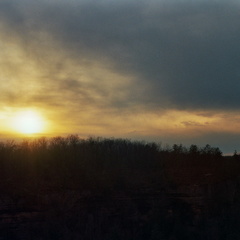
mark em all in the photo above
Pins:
pixel 186 54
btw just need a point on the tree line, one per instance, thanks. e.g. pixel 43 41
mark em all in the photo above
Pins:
pixel 93 162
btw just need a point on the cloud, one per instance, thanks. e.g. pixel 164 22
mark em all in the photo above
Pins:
pixel 194 124
pixel 108 59
pixel 183 55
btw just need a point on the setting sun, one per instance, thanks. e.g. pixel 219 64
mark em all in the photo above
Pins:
pixel 28 122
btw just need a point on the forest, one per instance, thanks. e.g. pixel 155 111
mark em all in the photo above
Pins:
pixel 107 188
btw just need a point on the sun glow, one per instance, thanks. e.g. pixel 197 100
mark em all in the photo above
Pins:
pixel 28 122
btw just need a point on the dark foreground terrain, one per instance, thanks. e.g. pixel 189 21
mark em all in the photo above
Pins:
pixel 107 189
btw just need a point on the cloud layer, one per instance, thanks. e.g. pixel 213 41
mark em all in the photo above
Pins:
pixel 108 58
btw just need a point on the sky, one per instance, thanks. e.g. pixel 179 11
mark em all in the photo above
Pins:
pixel 157 70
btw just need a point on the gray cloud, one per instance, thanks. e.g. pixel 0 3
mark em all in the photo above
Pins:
pixel 193 124
pixel 184 55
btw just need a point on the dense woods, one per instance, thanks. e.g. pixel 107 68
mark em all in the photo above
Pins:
pixel 97 188
pixel 72 162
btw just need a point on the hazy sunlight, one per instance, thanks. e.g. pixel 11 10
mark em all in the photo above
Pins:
pixel 28 122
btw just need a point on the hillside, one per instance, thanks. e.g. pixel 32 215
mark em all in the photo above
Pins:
pixel 72 188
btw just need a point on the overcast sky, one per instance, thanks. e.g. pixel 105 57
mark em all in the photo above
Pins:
pixel 159 70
